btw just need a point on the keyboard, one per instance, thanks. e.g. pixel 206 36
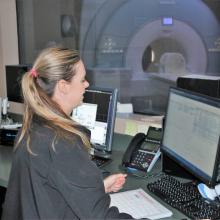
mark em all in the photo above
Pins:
pixel 185 197
pixel 100 161
pixel 218 174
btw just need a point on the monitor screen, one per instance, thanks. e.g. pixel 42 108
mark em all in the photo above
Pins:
pixel 191 133
pixel 97 113
pixel 13 81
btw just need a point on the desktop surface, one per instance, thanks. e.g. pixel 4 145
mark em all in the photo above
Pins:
pixel 120 142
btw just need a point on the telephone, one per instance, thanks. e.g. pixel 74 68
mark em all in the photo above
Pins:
pixel 143 150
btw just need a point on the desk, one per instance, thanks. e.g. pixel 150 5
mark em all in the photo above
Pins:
pixel 120 142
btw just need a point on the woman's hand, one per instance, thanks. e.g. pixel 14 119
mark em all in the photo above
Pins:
pixel 114 183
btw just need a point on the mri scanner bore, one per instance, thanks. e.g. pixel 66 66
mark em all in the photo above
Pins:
pixel 149 44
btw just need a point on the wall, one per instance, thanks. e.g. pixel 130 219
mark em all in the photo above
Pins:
pixel 8 45
pixel 41 24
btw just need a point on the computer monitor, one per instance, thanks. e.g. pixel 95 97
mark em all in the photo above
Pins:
pixel 191 134
pixel 97 113
pixel 14 74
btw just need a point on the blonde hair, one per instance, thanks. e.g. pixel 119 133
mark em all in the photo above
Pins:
pixel 52 65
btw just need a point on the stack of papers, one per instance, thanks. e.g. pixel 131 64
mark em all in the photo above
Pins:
pixel 139 204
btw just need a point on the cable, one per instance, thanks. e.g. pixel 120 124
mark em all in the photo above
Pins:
pixel 143 175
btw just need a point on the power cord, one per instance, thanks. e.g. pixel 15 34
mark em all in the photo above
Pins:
pixel 140 174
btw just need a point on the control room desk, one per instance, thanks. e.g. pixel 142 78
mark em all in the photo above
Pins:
pixel 120 142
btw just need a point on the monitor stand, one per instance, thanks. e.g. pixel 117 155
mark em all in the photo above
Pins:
pixel 100 153
pixel 170 167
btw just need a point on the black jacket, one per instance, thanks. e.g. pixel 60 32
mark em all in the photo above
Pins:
pixel 60 184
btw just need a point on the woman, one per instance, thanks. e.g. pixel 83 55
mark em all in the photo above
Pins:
pixel 52 176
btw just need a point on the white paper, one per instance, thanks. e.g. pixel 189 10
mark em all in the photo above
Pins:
pixel 139 204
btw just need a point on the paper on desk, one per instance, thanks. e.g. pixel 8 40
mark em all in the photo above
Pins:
pixel 130 128
pixel 139 204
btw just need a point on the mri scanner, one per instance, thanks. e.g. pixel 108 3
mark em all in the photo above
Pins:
pixel 147 44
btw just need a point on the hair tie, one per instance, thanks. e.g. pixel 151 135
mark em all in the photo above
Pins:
pixel 33 73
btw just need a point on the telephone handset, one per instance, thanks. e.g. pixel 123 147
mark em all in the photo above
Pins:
pixel 143 150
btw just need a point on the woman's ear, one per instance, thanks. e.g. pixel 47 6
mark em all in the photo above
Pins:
pixel 63 86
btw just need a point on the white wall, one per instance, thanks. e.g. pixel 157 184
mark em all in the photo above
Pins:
pixel 8 45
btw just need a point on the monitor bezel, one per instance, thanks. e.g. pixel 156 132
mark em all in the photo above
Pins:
pixel 195 171
pixel 110 121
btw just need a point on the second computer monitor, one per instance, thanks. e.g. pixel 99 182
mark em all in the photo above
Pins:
pixel 191 134
pixel 97 113
pixel 14 75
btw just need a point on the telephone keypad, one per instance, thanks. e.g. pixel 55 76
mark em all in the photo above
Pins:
pixel 142 159
pixel 144 150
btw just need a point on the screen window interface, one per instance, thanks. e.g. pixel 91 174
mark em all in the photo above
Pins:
pixel 93 114
pixel 191 134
